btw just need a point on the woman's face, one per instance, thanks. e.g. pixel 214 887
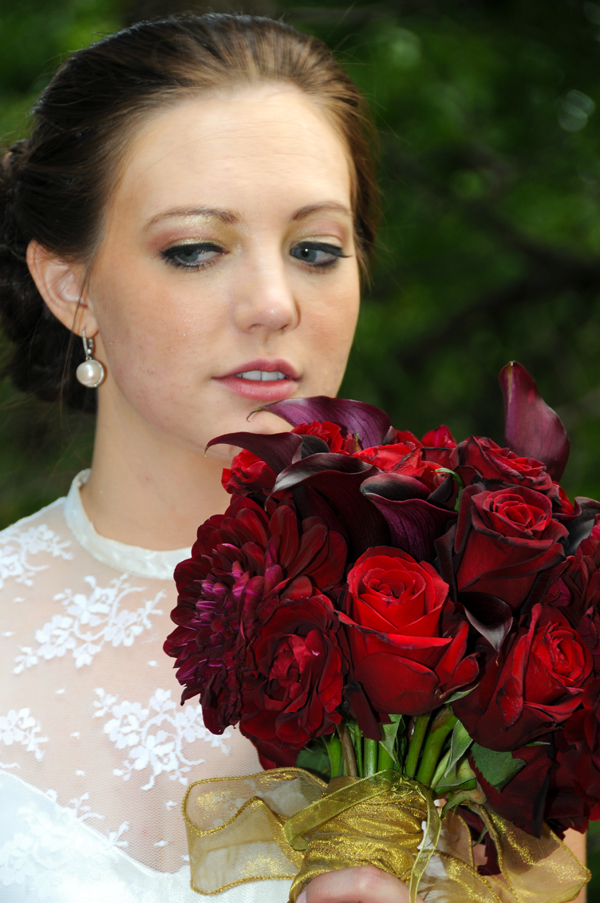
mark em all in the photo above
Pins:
pixel 227 276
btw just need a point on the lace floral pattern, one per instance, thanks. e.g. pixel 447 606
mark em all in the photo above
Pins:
pixel 21 727
pixel 89 621
pixel 18 546
pixel 155 735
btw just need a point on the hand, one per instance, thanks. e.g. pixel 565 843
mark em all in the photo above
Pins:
pixel 363 884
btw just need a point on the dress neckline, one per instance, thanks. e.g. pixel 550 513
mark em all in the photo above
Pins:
pixel 130 559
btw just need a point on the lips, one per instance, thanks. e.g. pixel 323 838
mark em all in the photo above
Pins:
pixel 261 380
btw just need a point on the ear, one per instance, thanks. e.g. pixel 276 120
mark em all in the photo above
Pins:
pixel 62 284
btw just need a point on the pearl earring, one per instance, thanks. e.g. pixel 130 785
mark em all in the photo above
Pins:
pixel 90 372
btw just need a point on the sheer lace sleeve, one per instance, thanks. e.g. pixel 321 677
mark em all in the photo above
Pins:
pixel 95 750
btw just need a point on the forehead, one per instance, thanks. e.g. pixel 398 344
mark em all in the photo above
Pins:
pixel 261 146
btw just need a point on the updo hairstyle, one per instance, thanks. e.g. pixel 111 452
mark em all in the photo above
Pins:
pixel 54 185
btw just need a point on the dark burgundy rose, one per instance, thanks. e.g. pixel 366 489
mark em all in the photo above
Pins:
pixel 396 618
pixel 565 807
pixel 531 687
pixel 296 686
pixel 576 591
pixel 523 800
pixel 491 462
pixel 579 746
pixel 248 474
pixel 503 540
pixel 241 559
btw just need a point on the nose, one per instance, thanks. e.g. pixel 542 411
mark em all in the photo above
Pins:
pixel 264 299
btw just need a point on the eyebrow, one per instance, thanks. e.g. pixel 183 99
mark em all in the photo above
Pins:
pixel 227 216
pixel 317 208
pixel 231 217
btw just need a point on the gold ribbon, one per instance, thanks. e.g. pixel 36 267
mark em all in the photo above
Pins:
pixel 288 824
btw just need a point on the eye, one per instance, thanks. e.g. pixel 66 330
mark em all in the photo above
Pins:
pixel 193 255
pixel 317 254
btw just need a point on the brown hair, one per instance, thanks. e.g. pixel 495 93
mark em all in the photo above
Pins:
pixel 54 185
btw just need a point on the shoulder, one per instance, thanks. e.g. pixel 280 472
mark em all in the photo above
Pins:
pixel 30 544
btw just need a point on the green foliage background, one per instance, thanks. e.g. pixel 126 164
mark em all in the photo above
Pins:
pixel 490 238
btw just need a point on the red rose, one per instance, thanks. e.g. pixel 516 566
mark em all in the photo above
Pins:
pixel 330 433
pixel 248 474
pixel 386 457
pixel 439 438
pixel 495 463
pixel 241 560
pixel 503 540
pixel 401 653
pixel 404 460
pixel 298 676
pixel 534 685
pixel 394 437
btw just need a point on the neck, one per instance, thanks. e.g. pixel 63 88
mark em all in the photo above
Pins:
pixel 145 490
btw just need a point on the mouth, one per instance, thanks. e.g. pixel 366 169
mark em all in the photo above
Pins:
pixel 263 376
pixel 262 380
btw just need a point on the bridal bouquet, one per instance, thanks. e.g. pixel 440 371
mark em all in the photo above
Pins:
pixel 409 632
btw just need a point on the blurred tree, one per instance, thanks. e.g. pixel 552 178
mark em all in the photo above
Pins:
pixel 490 238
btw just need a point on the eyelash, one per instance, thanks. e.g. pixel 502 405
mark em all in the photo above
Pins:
pixel 172 255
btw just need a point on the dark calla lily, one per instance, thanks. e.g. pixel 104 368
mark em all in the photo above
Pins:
pixel 414 524
pixel 532 429
pixel 321 463
pixel 489 615
pixel 396 486
pixel 333 482
pixel 276 450
pixel 357 418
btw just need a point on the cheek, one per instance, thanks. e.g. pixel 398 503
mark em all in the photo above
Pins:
pixel 333 319
pixel 147 331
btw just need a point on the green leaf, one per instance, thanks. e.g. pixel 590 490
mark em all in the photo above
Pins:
pixel 390 732
pixel 314 758
pixel 459 744
pixel 444 788
pixel 459 695
pixel 498 768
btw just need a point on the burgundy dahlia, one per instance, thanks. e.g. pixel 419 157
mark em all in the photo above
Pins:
pixel 241 563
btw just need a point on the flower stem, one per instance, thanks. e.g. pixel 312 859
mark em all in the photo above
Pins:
pixel 370 757
pixel 440 769
pixel 384 760
pixel 348 751
pixel 442 725
pixel 420 725
pixel 334 751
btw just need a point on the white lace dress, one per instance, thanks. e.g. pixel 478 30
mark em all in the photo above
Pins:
pixel 95 750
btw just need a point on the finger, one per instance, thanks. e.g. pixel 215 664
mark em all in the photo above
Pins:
pixel 363 884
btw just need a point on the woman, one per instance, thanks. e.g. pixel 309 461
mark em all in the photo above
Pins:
pixel 189 215
pixel 183 234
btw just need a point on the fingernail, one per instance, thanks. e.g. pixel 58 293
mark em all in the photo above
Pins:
pixel 302 897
